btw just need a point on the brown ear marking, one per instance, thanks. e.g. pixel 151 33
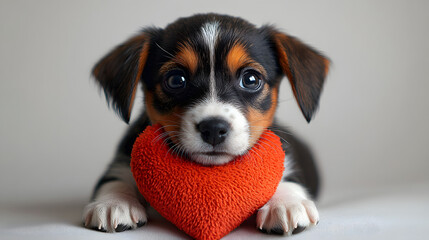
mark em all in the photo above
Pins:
pixel 119 72
pixel 142 63
pixel 305 68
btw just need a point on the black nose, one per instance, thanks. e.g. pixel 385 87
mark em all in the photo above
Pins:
pixel 213 130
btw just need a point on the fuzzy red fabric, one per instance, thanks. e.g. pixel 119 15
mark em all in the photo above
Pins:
pixel 206 202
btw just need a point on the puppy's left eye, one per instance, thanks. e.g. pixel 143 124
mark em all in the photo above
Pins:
pixel 175 81
pixel 251 81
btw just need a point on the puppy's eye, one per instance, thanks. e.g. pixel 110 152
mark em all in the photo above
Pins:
pixel 175 81
pixel 251 81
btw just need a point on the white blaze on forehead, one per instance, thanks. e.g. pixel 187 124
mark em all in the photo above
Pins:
pixel 209 33
pixel 237 140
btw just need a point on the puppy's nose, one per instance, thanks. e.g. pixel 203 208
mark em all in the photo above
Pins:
pixel 213 130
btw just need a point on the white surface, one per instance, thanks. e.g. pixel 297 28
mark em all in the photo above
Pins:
pixel 57 135
pixel 400 213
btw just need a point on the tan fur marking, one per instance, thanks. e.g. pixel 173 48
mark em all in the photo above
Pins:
pixel 186 57
pixel 259 121
pixel 327 65
pixel 238 58
pixel 264 93
pixel 171 120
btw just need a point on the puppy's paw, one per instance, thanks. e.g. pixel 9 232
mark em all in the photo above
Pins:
pixel 115 212
pixel 288 212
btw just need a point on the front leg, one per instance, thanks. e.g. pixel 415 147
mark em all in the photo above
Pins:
pixel 289 211
pixel 115 206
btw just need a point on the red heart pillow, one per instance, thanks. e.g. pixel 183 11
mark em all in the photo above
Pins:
pixel 206 202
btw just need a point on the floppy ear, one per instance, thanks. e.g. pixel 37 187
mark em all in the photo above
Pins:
pixel 305 68
pixel 119 72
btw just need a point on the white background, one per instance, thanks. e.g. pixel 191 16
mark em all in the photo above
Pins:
pixel 57 135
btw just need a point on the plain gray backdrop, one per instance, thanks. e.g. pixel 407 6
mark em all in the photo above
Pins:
pixel 57 134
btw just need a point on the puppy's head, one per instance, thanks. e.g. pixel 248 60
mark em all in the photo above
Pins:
pixel 212 81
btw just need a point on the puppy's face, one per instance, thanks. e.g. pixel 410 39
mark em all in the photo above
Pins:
pixel 212 82
pixel 215 89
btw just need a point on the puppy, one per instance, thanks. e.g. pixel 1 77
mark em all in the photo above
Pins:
pixel 212 81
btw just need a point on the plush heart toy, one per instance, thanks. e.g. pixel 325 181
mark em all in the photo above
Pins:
pixel 206 202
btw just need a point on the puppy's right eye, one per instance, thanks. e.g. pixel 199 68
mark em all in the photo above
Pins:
pixel 251 81
pixel 175 81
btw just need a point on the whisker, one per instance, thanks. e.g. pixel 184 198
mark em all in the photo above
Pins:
pixel 165 126
pixel 261 146
pixel 281 138
pixel 268 144
pixel 280 131
pixel 162 135
pixel 255 152
pixel 169 138
pixel 273 128
pixel 182 151
pixel 171 55
pixel 172 148
pixel 166 139
pixel 159 137
pixel 264 128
